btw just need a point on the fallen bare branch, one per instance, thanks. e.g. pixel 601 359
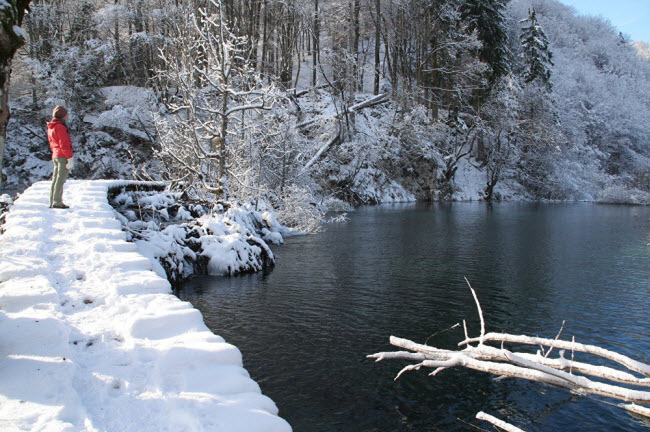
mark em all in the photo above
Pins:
pixel 485 352
pixel 505 363
pixel 534 367
pixel 480 312
pixel 556 338
pixel 631 364
pixel 584 384
pixel 636 409
pixel 561 363
pixel 498 423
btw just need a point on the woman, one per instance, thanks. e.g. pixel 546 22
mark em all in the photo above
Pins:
pixel 61 145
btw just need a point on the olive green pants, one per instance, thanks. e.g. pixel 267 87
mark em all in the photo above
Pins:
pixel 59 177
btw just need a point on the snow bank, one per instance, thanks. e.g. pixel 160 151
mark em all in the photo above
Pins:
pixel 128 108
pixel 619 194
pixel 93 340
pixel 183 239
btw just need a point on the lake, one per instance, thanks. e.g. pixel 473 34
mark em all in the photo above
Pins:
pixel 305 327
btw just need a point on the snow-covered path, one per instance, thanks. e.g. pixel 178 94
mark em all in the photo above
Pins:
pixel 91 339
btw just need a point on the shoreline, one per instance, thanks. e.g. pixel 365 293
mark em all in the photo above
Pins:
pixel 94 339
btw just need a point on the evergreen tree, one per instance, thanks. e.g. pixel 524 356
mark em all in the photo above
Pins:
pixel 537 55
pixel 486 18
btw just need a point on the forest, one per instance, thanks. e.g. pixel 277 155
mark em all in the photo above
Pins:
pixel 331 103
pixel 258 118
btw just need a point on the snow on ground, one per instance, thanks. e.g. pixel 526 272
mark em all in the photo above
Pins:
pixel 199 240
pixel 91 339
pixel 469 182
pixel 128 108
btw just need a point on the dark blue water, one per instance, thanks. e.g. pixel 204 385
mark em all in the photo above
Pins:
pixel 306 327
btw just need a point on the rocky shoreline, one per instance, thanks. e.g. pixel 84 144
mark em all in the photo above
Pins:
pixel 189 237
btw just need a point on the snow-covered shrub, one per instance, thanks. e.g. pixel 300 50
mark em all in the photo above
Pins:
pixel 184 238
pixel 300 211
pixel 5 202
pixel 619 194
pixel 334 204
pixel 376 158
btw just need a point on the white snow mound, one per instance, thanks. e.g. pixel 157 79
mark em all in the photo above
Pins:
pixel 91 339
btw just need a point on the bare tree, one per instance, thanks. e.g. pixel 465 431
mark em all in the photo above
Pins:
pixel 212 84
pixel 315 44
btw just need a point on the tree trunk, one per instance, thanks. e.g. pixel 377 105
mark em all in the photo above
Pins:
pixel 316 44
pixel 377 44
pixel 11 16
pixel 265 38
pixel 287 41
pixel 222 145
pixel 254 31
pixel 356 84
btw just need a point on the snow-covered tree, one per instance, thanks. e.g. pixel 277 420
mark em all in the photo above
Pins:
pixel 212 86
pixel 12 37
pixel 486 18
pixel 536 52
pixel 500 132
pixel 643 48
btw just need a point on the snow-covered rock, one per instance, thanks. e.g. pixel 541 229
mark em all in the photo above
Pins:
pixel 183 241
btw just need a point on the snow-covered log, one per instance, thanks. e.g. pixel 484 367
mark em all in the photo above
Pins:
pixel 498 423
pixel 636 409
pixel 485 352
pixel 379 99
pixel 506 363
pixel 560 372
pixel 629 363
pixel 334 140
pixel 373 101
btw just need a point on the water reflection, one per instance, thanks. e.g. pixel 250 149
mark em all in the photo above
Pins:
pixel 306 327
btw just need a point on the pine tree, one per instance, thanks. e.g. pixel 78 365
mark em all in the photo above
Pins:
pixel 487 19
pixel 536 52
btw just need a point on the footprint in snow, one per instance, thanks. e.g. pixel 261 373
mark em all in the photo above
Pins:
pixel 115 387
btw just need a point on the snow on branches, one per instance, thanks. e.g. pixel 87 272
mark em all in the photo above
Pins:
pixel 561 371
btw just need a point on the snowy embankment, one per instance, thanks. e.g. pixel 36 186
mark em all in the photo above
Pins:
pixel 183 239
pixel 92 339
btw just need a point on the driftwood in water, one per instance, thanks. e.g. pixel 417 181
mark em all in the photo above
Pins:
pixel 559 371
pixel 498 423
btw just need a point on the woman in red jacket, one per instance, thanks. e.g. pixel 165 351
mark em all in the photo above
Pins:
pixel 61 145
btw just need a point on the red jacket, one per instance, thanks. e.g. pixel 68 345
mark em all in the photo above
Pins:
pixel 60 143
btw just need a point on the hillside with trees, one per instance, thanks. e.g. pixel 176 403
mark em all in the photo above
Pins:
pixel 323 101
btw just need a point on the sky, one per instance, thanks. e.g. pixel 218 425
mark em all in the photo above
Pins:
pixel 632 17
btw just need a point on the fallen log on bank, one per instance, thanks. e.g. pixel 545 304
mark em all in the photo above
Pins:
pixel 561 372
pixel 373 101
pixel 336 138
